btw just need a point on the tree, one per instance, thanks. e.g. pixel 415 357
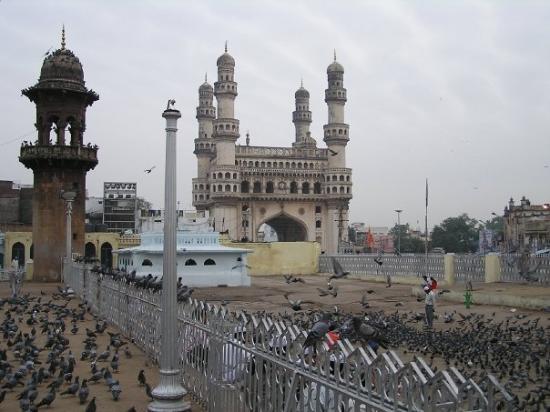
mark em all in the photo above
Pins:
pixel 409 244
pixel 456 234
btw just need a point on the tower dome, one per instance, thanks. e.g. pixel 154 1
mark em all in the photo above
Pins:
pixel 225 60
pixel 301 93
pixel 206 87
pixel 335 67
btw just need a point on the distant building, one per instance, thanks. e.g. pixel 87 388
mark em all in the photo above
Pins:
pixel 119 206
pixel 15 205
pixel 526 225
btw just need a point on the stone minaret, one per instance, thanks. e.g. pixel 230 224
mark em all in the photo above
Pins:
pixel 301 118
pixel 336 131
pixel 226 127
pixel 206 113
pixel 59 160
pixel 336 137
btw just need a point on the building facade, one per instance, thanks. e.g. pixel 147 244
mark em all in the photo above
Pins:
pixel 302 191
pixel 526 225
pixel 119 206
pixel 58 158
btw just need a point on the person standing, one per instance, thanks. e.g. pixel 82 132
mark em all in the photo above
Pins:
pixel 429 306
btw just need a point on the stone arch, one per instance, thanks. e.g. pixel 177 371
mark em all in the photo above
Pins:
pixel 190 262
pixel 107 255
pixel 209 262
pixel 18 252
pixel 146 262
pixel 89 250
pixel 288 228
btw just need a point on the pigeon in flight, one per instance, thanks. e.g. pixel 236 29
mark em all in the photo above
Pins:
pixel 332 152
pixel 149 170
pixel 338 270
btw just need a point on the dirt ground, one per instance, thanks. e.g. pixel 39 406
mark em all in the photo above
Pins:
pixel 266 294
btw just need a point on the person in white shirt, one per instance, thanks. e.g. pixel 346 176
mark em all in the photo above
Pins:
pixel 430 305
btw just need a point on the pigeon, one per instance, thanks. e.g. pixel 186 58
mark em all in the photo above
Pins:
pixel 73 388
pixel 296 305
pixel 378 261
pixel 149 170
pixel 317 332
pixel 148 391
pixel 116 391
pixel 292 279
pixel 83 392
pixel 91 406
pixel 367 332
pixel 338 271
pixel 48 399
pixel 388 281
pixel 141 378
pixel 364 302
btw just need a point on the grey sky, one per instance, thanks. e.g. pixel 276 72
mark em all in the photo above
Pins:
pixel 458 92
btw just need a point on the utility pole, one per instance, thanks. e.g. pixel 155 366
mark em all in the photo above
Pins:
pixel 398 211
pixel 340 221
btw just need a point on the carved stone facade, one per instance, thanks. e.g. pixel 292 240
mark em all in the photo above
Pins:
pixel 58 158
pixel 302 192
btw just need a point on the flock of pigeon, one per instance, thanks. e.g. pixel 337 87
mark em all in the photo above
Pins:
pixel 39 373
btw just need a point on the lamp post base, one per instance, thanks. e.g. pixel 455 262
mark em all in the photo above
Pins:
pixel 168 395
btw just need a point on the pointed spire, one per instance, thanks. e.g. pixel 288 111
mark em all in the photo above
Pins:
pixel 301 82
pixel 226 46
pixel 334 54
pixel 206 77
pixel 63 38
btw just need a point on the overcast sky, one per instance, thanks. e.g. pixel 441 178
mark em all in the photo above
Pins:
pixel 456 92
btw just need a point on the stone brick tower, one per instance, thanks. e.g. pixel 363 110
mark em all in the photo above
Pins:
pixel 59 160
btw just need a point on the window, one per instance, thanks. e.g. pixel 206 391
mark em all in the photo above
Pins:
pixel 269 188
pixel 209 262
pixel 245 186
pixel 317 188
pixel 293 187
pixel 228 175
pixel 305 188
pixel 190 262
pixel 317 224
pixel 317 209
pixel 228 188
pixel 146 262
pixel 257 187
pixel 234 175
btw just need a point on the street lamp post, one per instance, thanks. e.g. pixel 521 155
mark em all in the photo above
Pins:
pixel 168 395
pixel 69 197
pixel 398 211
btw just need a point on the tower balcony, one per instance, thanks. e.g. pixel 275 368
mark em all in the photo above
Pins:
pixel 336 133
pixel 225 87
pixel 206 112
pixel 57 156
pixel 338 94
pixel 301 116
pixel 228 128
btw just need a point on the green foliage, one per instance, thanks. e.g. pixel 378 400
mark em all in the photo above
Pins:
pixel 409 244
pixel 456 234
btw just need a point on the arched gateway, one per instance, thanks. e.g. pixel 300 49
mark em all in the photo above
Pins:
pixel 287 228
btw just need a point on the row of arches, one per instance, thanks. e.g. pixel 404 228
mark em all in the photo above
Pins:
pixel 18 253
pixel 106 253
pixel 280 165
pixel 340 178
pixel 221 175
pixel 270 187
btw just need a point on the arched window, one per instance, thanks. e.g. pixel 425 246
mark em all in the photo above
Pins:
pixel 220 188
pixel 341 178
pixel 341 189
pixel 269 187
pixel 228 175
pixel 305 188
pixel 263 164
pixel 31 252
pixel 328 178
pixel 257 187
pixel 228 188
pixel 245 186
pixel 347 189
pixel 293 187
pixel 190 262
pixel 234 175
pixel 89 250
pixel 209 262
pixel 317 188
pixel 18 252
pixel 334 189
pixel 317 224
pixel 146 262
pixel 234 188
pixel 106 255
pixel 257 164
pixel 220 175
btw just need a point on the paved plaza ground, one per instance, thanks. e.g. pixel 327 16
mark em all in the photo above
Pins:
pixel 266 294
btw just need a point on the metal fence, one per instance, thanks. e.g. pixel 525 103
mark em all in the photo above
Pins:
pixel 238 362
pixel 405 265
pixel 536 268
pixel 469 268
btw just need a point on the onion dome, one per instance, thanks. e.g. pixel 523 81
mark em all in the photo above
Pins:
pixel 225 59
pixel 206 87
pixel 335 66
pixel 301 93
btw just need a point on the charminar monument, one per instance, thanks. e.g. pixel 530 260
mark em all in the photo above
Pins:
pixel 302 191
